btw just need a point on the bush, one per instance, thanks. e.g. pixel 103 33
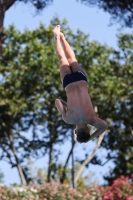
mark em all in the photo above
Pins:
pixel 121 189
pixel 48 191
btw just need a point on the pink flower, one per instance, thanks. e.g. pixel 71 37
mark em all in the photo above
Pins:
pixel 110 195
pixel 119 195
pixel 121 177
pixel 129 198
pixel 105 198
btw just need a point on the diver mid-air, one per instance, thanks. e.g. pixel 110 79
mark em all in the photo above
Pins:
pixel 78 110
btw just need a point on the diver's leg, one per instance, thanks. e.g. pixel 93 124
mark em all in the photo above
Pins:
pixel 64 64
pixel 70 55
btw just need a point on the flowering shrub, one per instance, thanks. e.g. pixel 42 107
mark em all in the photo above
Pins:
pixel 48 191
pixel 121 189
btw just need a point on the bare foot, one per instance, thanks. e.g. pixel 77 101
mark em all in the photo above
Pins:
pixel 61 35
pixel 56 30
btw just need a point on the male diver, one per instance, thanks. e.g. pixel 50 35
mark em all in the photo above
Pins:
pixel 78 110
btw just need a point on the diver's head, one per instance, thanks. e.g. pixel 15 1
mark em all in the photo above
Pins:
pixel 83 133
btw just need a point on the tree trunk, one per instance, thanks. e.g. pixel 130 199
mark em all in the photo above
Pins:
pixel 73 183
pixel 89 157
pixel 50 155
pixel 20 171
pixel 67 160
pixel 4 5
pixel 50 163
pixel 2 37
pixel 9 3
pixel 10 136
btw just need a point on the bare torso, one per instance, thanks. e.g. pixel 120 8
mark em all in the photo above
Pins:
pixel 79 106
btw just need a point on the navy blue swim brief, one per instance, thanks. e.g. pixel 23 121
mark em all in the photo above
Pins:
pixel 74 77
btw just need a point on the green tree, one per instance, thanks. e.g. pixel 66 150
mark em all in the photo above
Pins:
pixel 30 125
pixel 30 82
pixel 120 11
pixel 120 139
pixel 6 4
pixel 110 76
pixel 39 175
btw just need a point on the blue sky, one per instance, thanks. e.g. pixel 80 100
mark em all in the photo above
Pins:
pixel 91 21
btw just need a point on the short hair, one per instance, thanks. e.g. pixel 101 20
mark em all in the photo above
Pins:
pixel 83 135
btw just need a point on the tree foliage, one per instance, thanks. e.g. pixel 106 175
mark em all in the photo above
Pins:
pixel 30 125
pixel 110 75
pixel 6 4
pixel 120 141
pixel 38 4
pixel 29 84
pixel 120 10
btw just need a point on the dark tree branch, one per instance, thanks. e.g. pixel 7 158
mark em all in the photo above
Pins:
pixel 89 158
pixel 4 5
pixel 39 4
pixel 2 37
pixel 120 10
pixel 64 168
pixel 9 3
pixel 9 156
pixel 107 161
